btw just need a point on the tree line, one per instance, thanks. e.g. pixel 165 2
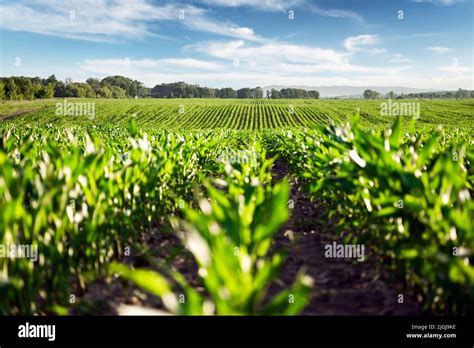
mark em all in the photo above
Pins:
pixel 292 93
pixel 185 90
pixel 28 88
pixel 459 94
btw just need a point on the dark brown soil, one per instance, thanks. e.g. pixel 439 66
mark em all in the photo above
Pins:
pixel 341 286
pixel 159 250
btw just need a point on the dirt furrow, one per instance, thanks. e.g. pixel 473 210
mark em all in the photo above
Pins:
pixel 343 286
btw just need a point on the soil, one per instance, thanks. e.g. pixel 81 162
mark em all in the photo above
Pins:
pixel 341 286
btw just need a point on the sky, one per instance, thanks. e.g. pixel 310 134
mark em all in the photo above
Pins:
pixel 236 43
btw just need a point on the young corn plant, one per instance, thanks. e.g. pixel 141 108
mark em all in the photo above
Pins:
pixel 230 236
pixel 79 202
pixel 409 196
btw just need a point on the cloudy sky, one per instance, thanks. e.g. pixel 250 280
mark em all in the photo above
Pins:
pixel 218 43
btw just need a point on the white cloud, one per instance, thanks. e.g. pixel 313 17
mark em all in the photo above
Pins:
pixel 440 2
pixel 268 52
pixel 265 5
pixel 340 68
pixel 336 13
pixel 284 5
pixel 288 59
pixel 165 65
pixel 267 59
pixel 439 50
pixel 240 77
pixel 354 42
pixel 399 58
pixel 109 20
pixel 457 69
pixel 360 42
pixel 259 64
pixel 418 35
pixel 201 23
pixel 68 24
pixel 190 63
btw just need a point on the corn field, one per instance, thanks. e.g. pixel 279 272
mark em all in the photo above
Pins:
pixel 87 194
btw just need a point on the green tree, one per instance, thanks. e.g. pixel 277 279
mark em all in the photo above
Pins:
pixel 227 93
pixel 118 92
pixel 244 93
pixel 131 87
pixel 275 93
pixel 75 90
pixel 45 92
pixel 49 90
pixel 52 80
pixel 2 90
pixel 106 91
pixel 370 94
pixel 89 91
pixel 11 90
pixel 258 93
pixel 59 89
pixel 27 90
pixel 95 85
pixel 462 94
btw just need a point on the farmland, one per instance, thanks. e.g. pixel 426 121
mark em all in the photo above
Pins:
pixel 236 114
pixel 201 206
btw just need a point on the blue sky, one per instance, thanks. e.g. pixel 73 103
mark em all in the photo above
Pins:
pixel 237 43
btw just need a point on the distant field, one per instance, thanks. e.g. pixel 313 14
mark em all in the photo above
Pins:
pixel 233 113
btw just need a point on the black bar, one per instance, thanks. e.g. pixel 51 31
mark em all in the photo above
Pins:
pixel 290 331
